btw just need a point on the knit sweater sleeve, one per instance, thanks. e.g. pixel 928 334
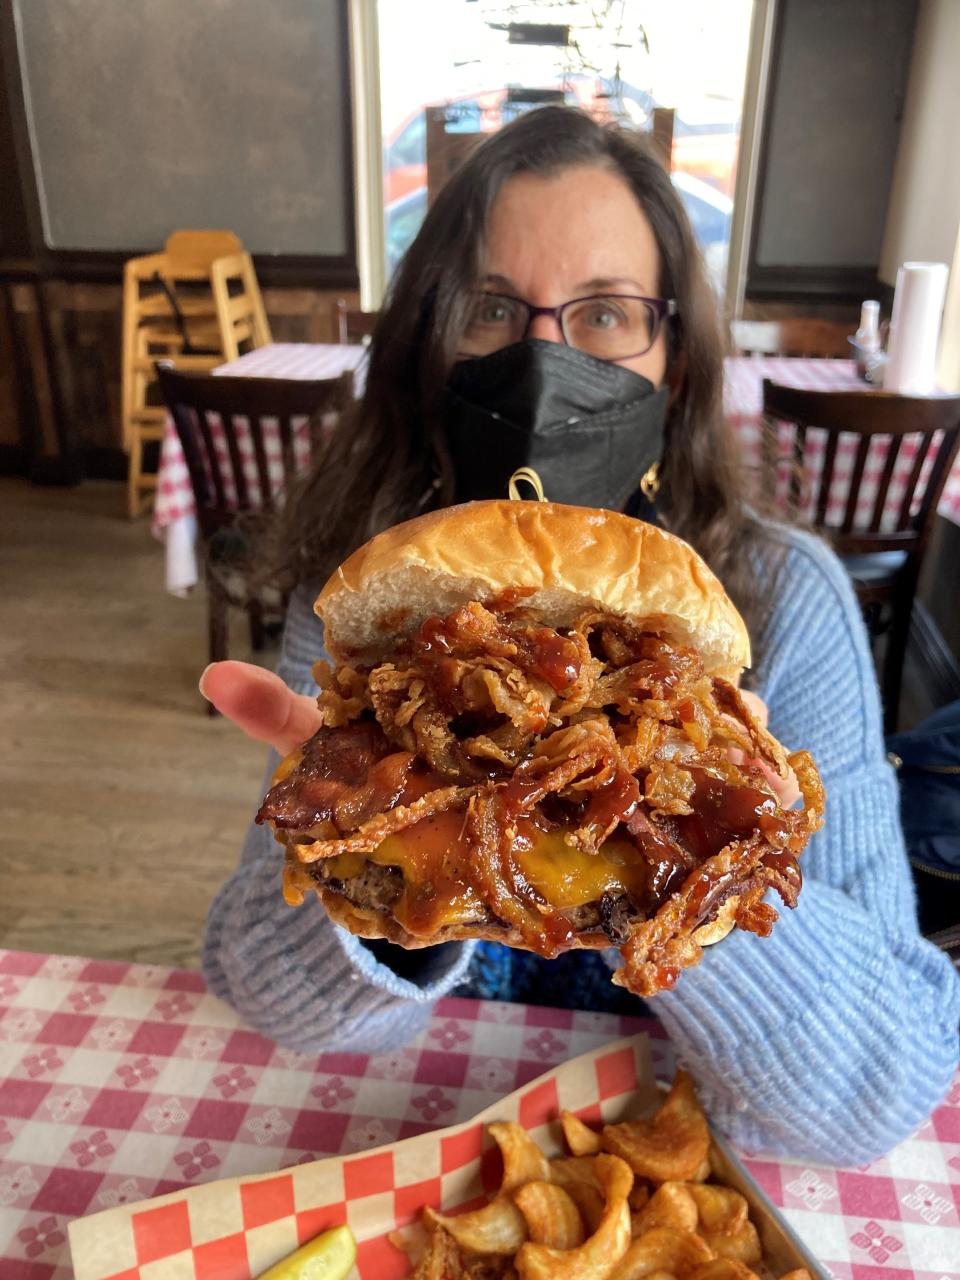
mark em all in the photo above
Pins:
pixel 833 1038
pixel 293 974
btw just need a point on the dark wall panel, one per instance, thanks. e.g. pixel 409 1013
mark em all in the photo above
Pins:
pixel 838 81
pixel 146 115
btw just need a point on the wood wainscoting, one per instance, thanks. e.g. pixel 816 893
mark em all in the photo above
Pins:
pixel 60 389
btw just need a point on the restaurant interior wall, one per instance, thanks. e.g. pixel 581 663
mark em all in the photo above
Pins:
pixel 834 102
pixel 185 119
pixel 924 212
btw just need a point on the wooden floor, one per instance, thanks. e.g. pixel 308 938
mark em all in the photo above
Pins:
pixel 122 804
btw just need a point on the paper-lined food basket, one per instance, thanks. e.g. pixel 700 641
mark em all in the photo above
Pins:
pixel 237 1228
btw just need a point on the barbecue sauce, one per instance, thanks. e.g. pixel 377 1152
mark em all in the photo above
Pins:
pixel 723 812
pixel 540 651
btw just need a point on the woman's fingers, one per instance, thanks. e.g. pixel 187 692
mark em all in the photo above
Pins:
pixel 259 703
pixel 756 706
pixel 786 789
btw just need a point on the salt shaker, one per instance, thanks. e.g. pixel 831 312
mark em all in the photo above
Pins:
pixel 867 336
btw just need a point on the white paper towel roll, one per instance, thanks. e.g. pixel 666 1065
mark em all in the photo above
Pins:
pixel 915 328
pixel 948 361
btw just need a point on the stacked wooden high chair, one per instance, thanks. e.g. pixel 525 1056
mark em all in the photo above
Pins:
pixel 195 304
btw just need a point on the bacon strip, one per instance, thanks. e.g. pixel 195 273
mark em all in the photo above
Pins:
pixel 374 832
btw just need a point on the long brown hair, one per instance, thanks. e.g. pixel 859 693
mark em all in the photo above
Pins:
pixel 387 461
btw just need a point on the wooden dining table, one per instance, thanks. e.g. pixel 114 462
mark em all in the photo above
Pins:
pixel 124 1081
pixel 174 519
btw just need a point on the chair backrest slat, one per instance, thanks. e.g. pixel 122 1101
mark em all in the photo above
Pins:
pixel 826 476
pixel 863 448
pixel 212 456
pixel 231 429
pixel 796 467
pixel 287 457
pixel 890 462
pixel 263 467
pixel 351 325
pixel 923 448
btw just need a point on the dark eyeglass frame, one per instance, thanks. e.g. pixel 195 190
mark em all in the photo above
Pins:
pixel 662 309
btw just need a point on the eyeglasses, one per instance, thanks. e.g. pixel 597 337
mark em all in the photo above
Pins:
pixel 608 326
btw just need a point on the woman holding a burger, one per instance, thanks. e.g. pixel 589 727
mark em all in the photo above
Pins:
pixel 556 277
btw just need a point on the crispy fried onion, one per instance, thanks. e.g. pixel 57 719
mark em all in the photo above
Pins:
pixel 602 729
pixel 660 947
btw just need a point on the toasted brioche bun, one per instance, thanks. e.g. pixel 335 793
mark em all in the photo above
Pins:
pixel 574 558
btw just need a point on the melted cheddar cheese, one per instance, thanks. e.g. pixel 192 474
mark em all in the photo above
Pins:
pixel 287 765
pixel 432 855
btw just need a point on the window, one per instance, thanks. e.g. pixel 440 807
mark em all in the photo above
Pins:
pixel 483 62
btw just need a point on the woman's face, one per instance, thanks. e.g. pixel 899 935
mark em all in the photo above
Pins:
pixel 576 233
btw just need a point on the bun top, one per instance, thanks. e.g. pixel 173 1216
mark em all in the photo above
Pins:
pixel 574 558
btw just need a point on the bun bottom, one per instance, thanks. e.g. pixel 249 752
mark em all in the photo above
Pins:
pixel 373 923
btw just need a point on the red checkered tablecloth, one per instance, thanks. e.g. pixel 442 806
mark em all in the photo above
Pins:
pixel 743 404
pixel 119 1082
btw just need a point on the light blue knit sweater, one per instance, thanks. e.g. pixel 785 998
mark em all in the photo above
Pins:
pixel 831 1040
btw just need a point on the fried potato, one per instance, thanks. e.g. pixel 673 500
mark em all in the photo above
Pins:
pixel 596 1258
pixel 720 1210
pixel 499 1227
pixel 705 1170
pixel 552 1216
pixel 413 1240
pixel 669 1146
pixel 742 1245
pixel 523 1161
pixel 581 1139
pixel 671 1205
pixel 728 1269
pixel 640 1200
pixel 578 1177
pixel 639 1197
pixel 679 1253
pixel 441 1260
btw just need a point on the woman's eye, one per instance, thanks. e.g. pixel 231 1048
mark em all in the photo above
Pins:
pixel 602 315
pixel 491 311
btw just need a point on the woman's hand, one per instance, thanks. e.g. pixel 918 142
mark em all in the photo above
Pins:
pixel 787 791
pixel 259 703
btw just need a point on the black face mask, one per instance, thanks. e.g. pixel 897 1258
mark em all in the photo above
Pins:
pixel 590 429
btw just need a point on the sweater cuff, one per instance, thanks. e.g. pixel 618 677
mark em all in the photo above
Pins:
pixel 443 967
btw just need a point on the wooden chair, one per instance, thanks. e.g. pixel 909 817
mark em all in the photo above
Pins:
pixel 233 503
pixel 792 336
pixel 883 562
pixel 240 314
pixel 352 326
pixel 168 313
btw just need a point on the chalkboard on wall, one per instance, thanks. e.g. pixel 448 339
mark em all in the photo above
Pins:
pixel 147 115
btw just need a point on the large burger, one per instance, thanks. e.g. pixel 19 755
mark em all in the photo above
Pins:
pixel 529 735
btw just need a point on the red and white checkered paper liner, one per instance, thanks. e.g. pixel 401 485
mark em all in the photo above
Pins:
pixel 247 1224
